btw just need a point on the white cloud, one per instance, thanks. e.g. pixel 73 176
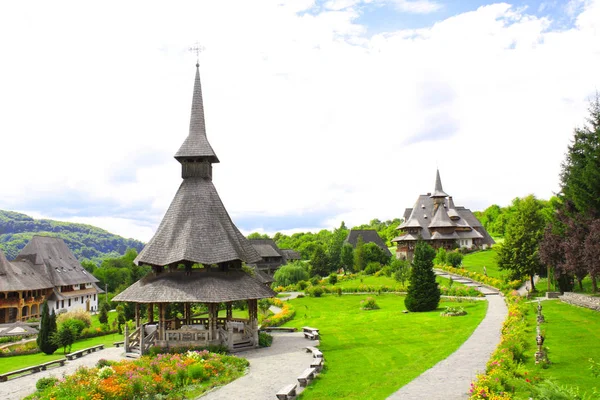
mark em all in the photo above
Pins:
pixel 305 112
pixel 417 6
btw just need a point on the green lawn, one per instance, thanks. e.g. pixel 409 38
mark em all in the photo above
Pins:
pixel 379 281
pixel 112 316
pixel 18 362
pixel 477 260
pixel 572 336
pixel 371 354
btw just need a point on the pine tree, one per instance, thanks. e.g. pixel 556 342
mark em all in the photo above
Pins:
pixel 103 316
pixel 423 293
pixel 360 258
pixel 47 329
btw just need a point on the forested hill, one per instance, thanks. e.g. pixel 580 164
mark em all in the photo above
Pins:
pixel 85 241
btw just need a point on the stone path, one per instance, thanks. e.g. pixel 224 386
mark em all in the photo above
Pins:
pixel 17 388
pixel 451 378
pixel 270 369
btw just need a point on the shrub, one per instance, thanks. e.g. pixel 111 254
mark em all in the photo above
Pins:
pixel 302 285
pixel 369 304
pixel 455 259
pixel 333 278
pixel 264 339
pixel 372 267
pixel 453 312
pixel 78 314
pixel 315 280
pixel 316 291
pixel 441 256
pixel 76 325
pixel 103 363
pixel 44 383
pixel 197 372
pixel 287 313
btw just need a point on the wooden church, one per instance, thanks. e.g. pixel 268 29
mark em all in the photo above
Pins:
pixel 435 219
pixel 196 256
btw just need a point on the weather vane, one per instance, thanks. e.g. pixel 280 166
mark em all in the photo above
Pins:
pixel 196 48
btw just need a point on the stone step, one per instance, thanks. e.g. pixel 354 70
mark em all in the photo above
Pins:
pixel 132 355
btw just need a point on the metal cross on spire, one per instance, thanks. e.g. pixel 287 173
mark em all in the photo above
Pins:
pixel 196 48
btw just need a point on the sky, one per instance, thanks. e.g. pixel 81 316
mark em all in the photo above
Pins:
pixel 319 111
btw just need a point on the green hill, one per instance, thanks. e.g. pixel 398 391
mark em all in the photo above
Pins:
pixel 85 241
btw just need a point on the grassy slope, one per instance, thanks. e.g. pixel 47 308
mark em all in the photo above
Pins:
pixel 572 336
pixel 378 281
pixel 371 354
pixel 477 260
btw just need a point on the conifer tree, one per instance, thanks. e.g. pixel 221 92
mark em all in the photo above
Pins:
pixel 103 315
pixel 423 293
pixel 47 329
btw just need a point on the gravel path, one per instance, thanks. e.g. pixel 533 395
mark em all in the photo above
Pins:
pixel 451 378
pixel 270 369
pixel 17 388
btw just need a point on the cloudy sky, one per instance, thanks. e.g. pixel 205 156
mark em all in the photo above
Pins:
pixel 320 111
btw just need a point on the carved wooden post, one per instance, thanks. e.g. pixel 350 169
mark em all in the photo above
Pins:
pixel 126 340
pixel 229 311
pixel 137 315
pixel 151 312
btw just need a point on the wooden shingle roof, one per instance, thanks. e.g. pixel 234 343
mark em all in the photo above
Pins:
pixel 197 228
pixel 369 236
pixel 52 258
pixel 266 248
pixel 20 275
pixel 290 254
pixel 438 191
pixel 199 286
pixel 196 145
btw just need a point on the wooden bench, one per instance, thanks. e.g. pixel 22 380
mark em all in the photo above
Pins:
pixel 316 352
pixel 118 344
pixel 4 377
pixel 317 364
pixel 277 329
pixel 61 362
pixel 80 353
pixel 307 376
pixel 287 393
pixel 310 333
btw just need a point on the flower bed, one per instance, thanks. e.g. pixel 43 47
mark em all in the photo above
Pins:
pixel 168 376
pixel 486 280
pixel 505 372
pixel 286 314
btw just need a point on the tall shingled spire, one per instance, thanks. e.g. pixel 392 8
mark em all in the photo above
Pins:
pixel 196 150
pixel 438 191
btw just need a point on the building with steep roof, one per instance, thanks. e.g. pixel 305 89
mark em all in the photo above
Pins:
pixel 368 236
pixel 196 256
pixel 272 257
pixel 436 219
pixel 45 270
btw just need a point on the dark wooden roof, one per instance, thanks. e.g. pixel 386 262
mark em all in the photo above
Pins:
pixel 17 329
pixel 197 228
pixel 20 275
pixel 290 254
pixel 266 248
pixel 369 236
pixel 196 145
pixel 262 277
pixel 52 258
pixel 441 219
pixel 438 191
pixel 200 286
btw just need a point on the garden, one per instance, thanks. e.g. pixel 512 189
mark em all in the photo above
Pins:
pixel 187 374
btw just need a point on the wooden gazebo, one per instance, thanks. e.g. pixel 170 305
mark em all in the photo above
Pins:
pixel 196 256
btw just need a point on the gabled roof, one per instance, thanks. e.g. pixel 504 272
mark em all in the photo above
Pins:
pixel 17 329
pixel 266 248
pixel 197 228
pixel 262 277
pixel 196 145
pixel 444 236
pixel 369 236
pixel 290 254
pixel 199 286
pixel 20 275
pixel 438 191
pixel 53 259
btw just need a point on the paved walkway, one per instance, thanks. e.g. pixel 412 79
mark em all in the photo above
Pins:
pixel 17 388
pixel 451 378
pixel 270 369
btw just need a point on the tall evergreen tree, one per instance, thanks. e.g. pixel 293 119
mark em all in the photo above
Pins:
pixel 360 257
pixel 47 329
pixel 347 257
pixel 423 293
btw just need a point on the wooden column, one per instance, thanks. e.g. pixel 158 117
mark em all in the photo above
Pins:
pixel 187 309
pixel 137 315
pixel 253 316
pixel 151 312
pixel 161 321
pixel 229 311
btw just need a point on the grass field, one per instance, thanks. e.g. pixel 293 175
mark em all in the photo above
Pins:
pixel 371 354
pixel 477 260
pixel 379 281
pixel 18 362
pixel 572 336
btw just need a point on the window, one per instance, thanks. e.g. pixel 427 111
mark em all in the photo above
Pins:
pixel 69 302
pixel 62 304
pixel 94 296
pixel 82 299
